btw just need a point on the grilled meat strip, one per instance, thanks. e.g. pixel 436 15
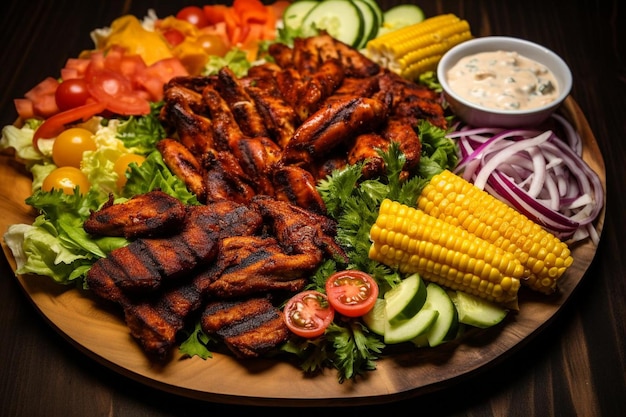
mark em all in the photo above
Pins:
pixel 249 328
pixel 248 265
pixel 144 263
pixel 156 317
pixel 147 215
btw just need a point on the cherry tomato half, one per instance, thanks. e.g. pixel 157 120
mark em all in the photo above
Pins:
pixel 308 314
pixel 69 146
pixel 352 293
pixel 71 93
pixel 121 166
pixel 66 179
pixel 194 15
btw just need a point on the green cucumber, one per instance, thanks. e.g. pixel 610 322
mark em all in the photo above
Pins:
pixel 377 12
pixel 370 22
pixel 445 327
pixel 477 312
pixel 295 13
pixel 407 330
pixel 400 16
pixel 406 299
pixel 341 19
pixel 375 318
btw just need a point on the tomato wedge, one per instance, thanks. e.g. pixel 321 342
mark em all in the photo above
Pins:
pixel 308 314
pixel 57 123
pixel 352 293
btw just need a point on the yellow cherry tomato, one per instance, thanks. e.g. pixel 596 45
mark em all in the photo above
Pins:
pixel 66 179
pixel 121 166
pixel 68 147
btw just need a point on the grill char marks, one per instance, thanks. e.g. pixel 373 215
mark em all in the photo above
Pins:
pixel 249 327
pixel 150 214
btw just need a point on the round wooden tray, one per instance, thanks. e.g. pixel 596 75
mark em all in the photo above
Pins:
pixel 100 332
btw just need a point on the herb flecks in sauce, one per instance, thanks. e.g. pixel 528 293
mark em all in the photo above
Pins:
pixel 503 80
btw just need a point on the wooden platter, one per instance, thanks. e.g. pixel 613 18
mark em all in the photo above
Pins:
pixel 99 331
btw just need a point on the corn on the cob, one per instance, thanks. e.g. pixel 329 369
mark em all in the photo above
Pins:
pixel 413 241
pixel 457 201
pixel 417 48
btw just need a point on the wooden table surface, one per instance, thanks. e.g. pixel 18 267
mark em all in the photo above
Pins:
pixel 575 366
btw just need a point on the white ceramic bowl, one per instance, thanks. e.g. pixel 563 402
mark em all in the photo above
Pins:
pixel 479 116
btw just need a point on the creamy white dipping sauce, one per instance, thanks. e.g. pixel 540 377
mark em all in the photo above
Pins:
pixel 503 80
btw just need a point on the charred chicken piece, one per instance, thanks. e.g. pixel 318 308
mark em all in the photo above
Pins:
pixel 225 180
pixel 249 265
pixel 297 186
pixel 185 165
pixel 241 104
pixel 337 122
pixel 249 327
pixel 184 113
pixel 147 215
pixel 156 322
pixel 300 231
pixel 143 264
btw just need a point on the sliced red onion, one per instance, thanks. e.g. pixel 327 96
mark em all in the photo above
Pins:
pixel 543 176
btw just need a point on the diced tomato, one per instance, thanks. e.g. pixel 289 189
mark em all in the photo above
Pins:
pixel 24 107
pixel 46 105
pixel 173 36
pixel 156 75
pixel 47 86
pixel 57 123
pixel 77 64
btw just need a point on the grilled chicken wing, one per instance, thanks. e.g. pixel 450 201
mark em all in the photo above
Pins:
pixel 184 164
pixel 241 104
pixel 151 214
pixel 248 327
pixel 338 121
pixel 297 186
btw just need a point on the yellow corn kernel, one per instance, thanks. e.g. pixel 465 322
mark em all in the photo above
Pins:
pixel 417 48
pixel 412 241
pixel 544 257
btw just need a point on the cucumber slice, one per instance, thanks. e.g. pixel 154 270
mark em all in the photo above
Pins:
pixel 377 12
pixel 445 327
pixel 407 330
pixel 341 19
pixel 295 13
pixel 406 299
pixel 375 318
pixel 477 312
pixel 400 16
pixel 370 22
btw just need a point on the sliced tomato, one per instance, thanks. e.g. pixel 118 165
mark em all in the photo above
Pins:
pixel 116 92
pixel 57 123
pixel 173 36
pixel 352 293
pixel 308 314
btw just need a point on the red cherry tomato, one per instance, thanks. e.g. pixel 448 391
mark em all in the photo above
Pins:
pixel 194 15
pixel 308 314
pixel 352 293
pixel 71 93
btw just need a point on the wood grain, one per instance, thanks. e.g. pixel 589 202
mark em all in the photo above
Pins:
pixel 98 330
